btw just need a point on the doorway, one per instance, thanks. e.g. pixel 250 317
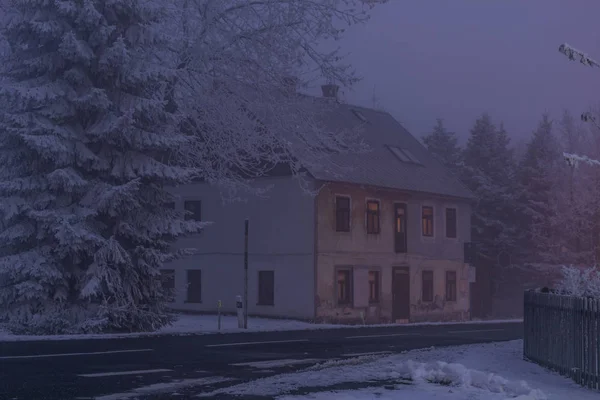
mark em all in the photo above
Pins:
pixel 400 294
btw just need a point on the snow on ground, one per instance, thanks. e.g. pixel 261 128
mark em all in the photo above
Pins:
pixel 475 372
pixel 188 324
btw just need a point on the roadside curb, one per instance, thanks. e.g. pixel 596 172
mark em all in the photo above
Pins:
pixel 149 335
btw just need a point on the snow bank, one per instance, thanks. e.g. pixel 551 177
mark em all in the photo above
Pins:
pixel 454 374
pixel 388 369
pixel 491 371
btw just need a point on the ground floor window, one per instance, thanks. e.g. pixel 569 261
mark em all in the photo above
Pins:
pixel 344 286
pixel 374 286
pixel 194 286
pixel 266 288
pixel 450 285
pixel 427 286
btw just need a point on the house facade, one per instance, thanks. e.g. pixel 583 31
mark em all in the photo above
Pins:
pixel 382 241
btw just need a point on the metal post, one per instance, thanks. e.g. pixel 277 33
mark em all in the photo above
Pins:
pixel 219 304
pixel 246 274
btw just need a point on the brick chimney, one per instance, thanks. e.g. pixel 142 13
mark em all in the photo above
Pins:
pixel 330 90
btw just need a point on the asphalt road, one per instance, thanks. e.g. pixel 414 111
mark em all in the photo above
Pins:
pixel 99 368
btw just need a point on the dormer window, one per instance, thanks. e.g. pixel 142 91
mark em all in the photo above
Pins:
pixel 359 115
pixel 404 155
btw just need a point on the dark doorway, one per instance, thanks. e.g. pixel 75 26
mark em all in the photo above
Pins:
pixel 400 294
pixel 400 228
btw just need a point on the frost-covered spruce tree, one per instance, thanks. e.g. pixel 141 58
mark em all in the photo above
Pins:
pixel 444 145
pixel 489 171
pixel 84 139
pixel 538 180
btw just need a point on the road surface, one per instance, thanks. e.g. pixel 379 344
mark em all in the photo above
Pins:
pixel 99 368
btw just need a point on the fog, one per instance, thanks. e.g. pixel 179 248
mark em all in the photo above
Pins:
pixel 457 59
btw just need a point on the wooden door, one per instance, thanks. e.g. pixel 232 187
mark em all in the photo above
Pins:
pixel 400 294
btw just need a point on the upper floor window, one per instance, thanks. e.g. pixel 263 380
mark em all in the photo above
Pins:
pixel 193 210
pixel 427 221
pixel 451 223
pixel 342 214
pixel 373 216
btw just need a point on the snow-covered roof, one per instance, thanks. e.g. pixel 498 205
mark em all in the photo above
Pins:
pixel 382 165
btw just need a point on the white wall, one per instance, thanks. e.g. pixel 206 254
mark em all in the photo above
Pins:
pixel 281 238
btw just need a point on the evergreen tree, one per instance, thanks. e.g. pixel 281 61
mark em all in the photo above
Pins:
pixel 444 146
pixel 83 149
pixel 538 179
pixel 489 171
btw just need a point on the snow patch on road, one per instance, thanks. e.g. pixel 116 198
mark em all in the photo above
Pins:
pixel 186 324
pixel 276 363
pixel 167 387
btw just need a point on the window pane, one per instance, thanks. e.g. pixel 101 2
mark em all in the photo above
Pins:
pixel 451 222
pixel 373 217
pixel 427 283
pixel 342 214
pixel 266 288
pixel 194 208
pixel 342 202
pixel 194 286
pixel 451 285
pixel 344 287
pixel 427 221
pixel 373 286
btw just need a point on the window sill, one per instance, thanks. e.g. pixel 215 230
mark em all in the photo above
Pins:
pixel 265 304
pixel 373 233
pixel 192 302
pixel 374 303
pixel 348 231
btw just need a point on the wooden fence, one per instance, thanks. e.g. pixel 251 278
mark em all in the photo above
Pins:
pixel 563 333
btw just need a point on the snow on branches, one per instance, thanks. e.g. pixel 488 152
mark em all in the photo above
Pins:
pixel 240 65
pixel 580 282
pixel 573 54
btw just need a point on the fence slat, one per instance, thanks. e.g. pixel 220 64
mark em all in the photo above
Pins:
pixel 562 333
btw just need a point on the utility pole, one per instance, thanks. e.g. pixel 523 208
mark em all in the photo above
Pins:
pixel 246 274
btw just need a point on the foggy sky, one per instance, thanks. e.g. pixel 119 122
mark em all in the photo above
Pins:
pixel 456 59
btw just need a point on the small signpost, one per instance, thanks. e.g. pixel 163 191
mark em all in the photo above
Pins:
pixel 219 305
pixel 239 307
pixel 246 273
